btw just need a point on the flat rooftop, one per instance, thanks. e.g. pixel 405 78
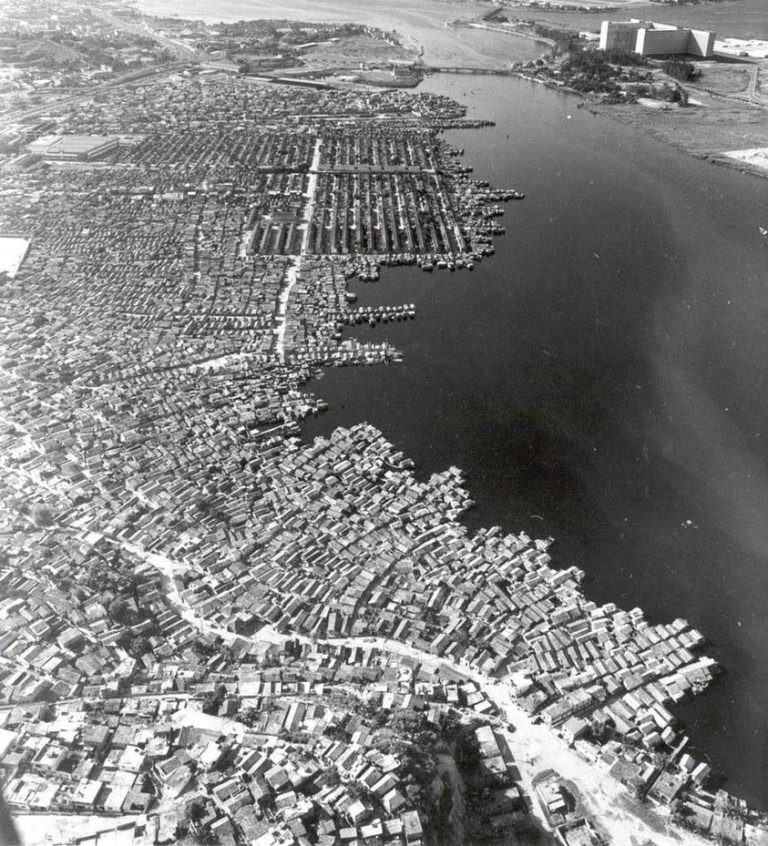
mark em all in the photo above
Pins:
pixel 12 252
pixel 73 145
pixel 751 47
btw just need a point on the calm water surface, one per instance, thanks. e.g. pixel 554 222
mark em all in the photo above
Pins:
pixel 602 380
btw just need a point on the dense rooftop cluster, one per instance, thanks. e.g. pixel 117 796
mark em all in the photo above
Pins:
pixel 167 537
pixel 334 744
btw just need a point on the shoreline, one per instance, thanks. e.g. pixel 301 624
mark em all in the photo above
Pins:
pixel 429 467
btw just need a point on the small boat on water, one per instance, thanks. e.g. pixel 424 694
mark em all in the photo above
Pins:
pixel 763 230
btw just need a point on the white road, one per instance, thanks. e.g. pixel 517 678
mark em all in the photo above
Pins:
pixel 536 747
pixel 292 272
pixel 291 275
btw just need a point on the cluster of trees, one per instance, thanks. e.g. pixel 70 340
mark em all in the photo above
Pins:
pixel 682 70
pixel 462 738
pixel 623 57
pixel 590 72
pixel 678 95
pixel 251 716
pixel 41 516
pixel 191 826
pixel 415 741
pixel 247 66
pixel 272 29
pixel 213 699
pixel 566 40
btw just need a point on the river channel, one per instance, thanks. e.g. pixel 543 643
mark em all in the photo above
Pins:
pixel 602 380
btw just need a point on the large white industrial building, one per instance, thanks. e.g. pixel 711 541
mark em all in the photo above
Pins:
pixel 653 39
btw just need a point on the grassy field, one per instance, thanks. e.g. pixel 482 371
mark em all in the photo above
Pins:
pixel 762 80
pixel 723 78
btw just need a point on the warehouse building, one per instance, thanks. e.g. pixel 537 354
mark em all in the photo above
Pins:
pixel 73 148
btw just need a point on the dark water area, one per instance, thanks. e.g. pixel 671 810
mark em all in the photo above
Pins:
pixel 601 380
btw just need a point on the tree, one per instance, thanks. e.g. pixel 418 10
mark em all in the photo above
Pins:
pixel 139 646
pixel 195 810
pixel 679 69
pixel 444 810
pixel 119 611
pixel 331 777
pixel 248 716
pixel 467 748
pixel 212 701
pixel 358 791
pixel 41 516
pixel 408 723
pixel 205 837
pixel 227 759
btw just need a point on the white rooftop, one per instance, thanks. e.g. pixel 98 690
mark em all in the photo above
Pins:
pixel 751 47
pixel 12 252
pixel 69 144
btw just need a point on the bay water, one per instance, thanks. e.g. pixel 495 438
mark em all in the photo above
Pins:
pixel 603 380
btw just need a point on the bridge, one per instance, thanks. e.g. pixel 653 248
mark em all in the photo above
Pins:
pixel 484 71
